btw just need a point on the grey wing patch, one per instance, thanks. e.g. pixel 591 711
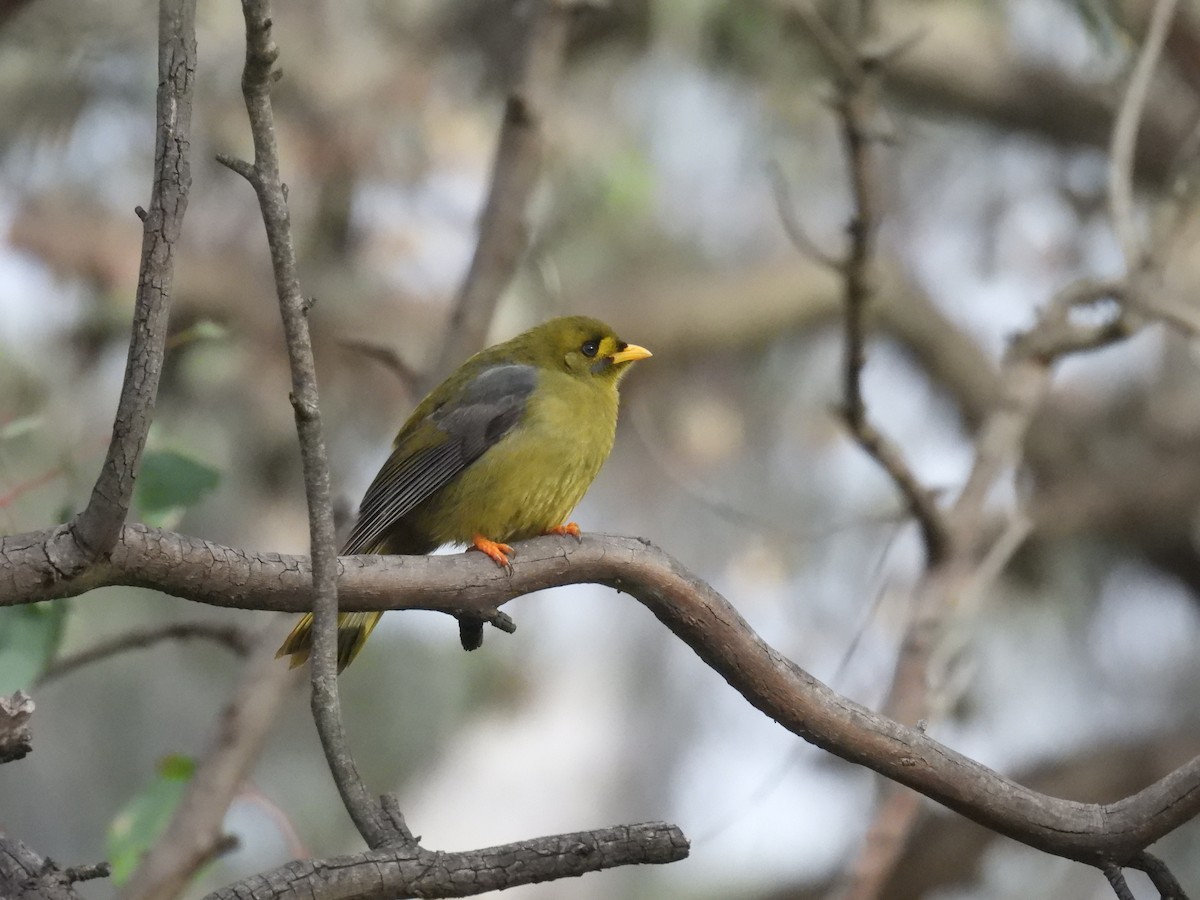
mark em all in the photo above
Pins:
pixel 487 409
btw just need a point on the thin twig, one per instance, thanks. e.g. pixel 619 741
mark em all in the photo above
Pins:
pixel 1161 877
pixel 257 79
pixel 1123 142
pixel 857 108
pixel 15 736
pixel 792 225
pixel 388 357
pixel 1024 379
pixel 230 636
pixel 467 583
pixel 87 872
pixel 96 528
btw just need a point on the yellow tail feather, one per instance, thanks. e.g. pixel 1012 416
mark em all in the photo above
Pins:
pixel 353 631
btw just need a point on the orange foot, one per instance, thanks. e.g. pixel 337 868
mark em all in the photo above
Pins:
pixel 498 552
pixel 570 529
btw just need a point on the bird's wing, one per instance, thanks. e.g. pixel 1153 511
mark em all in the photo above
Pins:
pixel 485 410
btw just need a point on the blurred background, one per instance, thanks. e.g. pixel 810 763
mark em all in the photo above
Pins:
pixel 1077 673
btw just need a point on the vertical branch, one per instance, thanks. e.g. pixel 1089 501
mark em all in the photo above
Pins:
pixel 856 108
pixel 1124 136
pixel 96 528
pixel 257 79
pixel 503 230
pixel 859 73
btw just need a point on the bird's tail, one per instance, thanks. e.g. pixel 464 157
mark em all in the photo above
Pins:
pixel 353 630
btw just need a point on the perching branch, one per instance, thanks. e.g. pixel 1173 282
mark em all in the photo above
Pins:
pixel 467 584
pixel 257 78
pixel 96 529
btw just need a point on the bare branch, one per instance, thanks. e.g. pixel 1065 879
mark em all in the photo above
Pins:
pixel 263 175
pixel 466 584
pixel 1116 880
pixel 1160 876
pixel 425 873
pixel 1024 380
pixel 15 737
pixel 96 529
pixel 230 636
pixel 857 107
pixel 194 834
pixel 26 875
pixel 1125 133
pixel 503 231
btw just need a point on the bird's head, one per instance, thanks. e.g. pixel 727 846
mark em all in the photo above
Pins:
pixel 582 346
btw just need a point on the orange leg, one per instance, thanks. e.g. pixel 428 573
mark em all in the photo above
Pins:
pixel 569 529
pixel 499 553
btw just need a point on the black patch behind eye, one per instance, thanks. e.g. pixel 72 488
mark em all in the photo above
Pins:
pixel 590 348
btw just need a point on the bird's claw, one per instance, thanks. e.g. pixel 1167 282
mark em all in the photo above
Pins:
pixel 570 529
pixel 494 550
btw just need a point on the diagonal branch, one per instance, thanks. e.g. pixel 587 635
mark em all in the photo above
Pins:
pixel 466 584
pixel 97 528
pixel 503 230
pixel 426 873
pixel 257 79
pixel 230 636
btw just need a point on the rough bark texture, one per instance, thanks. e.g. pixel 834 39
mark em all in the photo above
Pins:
pixel 24 875
pixel 15 736
pixel 404 872
pixel 709 624
pixel 96 529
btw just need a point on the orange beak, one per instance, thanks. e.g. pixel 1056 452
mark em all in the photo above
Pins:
pixel 630 354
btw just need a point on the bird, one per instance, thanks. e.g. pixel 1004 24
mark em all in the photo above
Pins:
pixel 499 452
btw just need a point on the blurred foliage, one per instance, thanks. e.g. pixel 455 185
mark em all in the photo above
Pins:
pixel 168 483
pixel 139 823
pixel 29 639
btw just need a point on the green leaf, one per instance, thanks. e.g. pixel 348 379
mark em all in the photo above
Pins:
pixel 29 639
pixel 204 330
pixel 168 483
pixel 138 825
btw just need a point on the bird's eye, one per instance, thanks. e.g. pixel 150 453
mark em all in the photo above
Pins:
pixel 590 348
